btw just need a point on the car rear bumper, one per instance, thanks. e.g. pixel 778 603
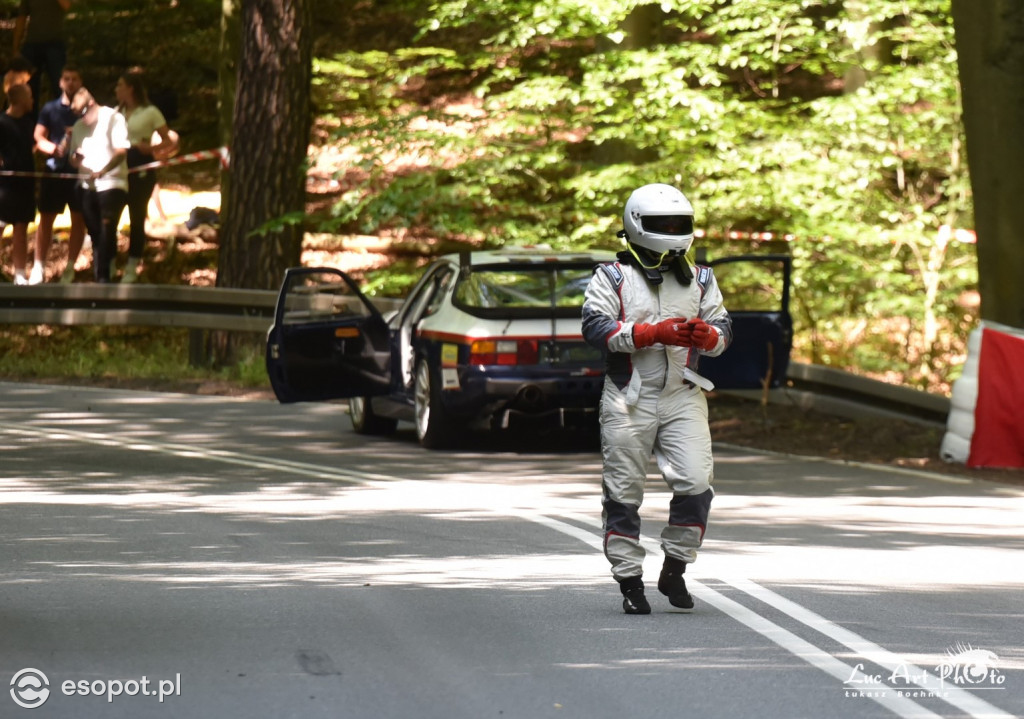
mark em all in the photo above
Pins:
pixel 589 387
pixel 483 393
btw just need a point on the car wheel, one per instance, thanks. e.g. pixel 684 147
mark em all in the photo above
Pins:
pixel 366 421
pixel 434 428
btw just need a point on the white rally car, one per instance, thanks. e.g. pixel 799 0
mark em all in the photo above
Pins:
pixel 484 338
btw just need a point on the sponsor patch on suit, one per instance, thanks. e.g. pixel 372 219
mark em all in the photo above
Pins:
pixel 612 268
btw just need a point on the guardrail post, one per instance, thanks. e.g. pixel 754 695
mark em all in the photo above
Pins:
pixel 196 348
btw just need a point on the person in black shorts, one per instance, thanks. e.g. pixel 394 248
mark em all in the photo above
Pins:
pixel 55 193
pixel 17 193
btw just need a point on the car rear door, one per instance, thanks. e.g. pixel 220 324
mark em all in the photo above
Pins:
pixel 756 290
pixel 327 341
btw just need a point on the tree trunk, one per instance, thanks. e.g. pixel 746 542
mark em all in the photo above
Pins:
pixel 263 202
pixel 261 226
pixel 227 82
pixel 991 64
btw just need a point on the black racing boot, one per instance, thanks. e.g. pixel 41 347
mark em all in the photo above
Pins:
pixel 633 599
pixel 673 586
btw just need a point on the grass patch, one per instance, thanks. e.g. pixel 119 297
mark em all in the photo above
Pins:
pixel 112 354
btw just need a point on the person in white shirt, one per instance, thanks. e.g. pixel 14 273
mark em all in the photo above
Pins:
pixel 98 148
pixel 146 123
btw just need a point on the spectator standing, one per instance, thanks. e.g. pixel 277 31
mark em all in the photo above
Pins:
pixel 39 36
pixel 145 123
pixel 52 133
pixel 98 147
pixel 19 72
pixel 17 194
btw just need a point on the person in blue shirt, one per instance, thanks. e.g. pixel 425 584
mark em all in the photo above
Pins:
pixel 52 130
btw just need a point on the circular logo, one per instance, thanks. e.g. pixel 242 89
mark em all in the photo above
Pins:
pixel 30 688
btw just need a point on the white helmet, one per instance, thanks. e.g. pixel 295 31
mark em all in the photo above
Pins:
pixel 659 218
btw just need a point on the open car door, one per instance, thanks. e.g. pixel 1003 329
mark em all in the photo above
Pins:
pixel 756 290
pixel 327 341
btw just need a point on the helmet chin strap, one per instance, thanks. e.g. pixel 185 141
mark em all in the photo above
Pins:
pixel 655 266
pixel 652 272
pixel 680 266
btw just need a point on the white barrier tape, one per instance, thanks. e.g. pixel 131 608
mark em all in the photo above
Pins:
pixel 222 154
pixel 946 234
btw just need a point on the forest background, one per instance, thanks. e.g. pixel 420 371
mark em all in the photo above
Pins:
pixel 829 130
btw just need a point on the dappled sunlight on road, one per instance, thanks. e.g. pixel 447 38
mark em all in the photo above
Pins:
pixel 773 519
pixel 258 542
pixel 956 517
pixel 872 538
pixel 523 573
pixel 878 570
pixel 782 537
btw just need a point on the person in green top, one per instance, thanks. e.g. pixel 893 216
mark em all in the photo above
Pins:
pixel 150 140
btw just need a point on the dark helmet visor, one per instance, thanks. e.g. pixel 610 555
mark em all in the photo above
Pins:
pixel 667 224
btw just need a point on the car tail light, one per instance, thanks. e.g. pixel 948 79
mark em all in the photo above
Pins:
pixel 527 352
pixel 503 352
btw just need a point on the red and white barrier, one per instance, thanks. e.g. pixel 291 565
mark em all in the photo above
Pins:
pixel 984 428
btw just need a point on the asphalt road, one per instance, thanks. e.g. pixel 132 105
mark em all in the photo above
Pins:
pixel 178 556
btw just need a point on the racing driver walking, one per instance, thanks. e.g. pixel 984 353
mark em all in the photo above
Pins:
pixel 655 313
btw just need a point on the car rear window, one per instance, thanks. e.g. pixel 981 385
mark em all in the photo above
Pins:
pixel 534 290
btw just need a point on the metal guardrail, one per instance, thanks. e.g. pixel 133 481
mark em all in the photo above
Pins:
pixel 837 392
pixel 200 309
pixel 882 396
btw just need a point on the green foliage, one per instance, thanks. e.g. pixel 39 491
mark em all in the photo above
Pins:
pixel 518 122
pixel 177 43
pixel 115 354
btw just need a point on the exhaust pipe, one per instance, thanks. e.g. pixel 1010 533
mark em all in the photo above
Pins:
pixel 529 397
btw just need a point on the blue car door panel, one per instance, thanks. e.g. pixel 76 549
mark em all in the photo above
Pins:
pixel 327 341
pixel 756 290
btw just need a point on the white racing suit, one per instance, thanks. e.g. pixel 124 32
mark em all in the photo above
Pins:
pixel 647 405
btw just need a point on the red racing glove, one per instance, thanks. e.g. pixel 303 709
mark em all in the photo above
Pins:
pixel 673 331
pixel 702 335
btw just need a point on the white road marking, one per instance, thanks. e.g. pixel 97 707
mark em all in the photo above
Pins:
pixel 196 452
pixel 802 649
pixel 965 701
